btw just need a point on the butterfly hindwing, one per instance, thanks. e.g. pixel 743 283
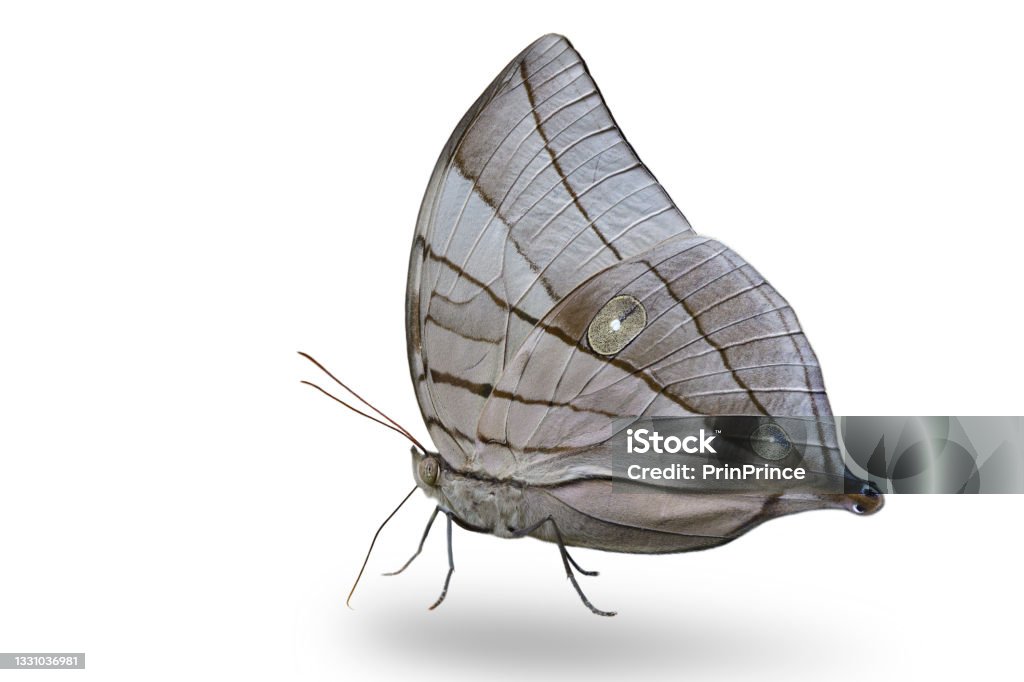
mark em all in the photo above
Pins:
pixel 716 339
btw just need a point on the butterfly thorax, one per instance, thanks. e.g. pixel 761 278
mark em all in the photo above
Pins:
pixel 480 503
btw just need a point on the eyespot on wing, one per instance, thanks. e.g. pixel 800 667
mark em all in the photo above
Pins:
pixel 616 324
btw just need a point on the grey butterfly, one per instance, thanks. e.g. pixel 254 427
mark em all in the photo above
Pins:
pixel 556 295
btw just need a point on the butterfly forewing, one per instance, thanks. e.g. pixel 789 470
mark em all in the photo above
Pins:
pixel 535 192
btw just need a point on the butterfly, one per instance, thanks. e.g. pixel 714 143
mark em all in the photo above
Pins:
pixel 556 296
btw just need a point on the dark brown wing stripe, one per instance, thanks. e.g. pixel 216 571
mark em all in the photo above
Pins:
pixel 558 165
pixel 487 390
pixel 494 297
pixel 721 351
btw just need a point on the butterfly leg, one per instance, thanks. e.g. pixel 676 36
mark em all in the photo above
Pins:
pixel 451 563
pixel 567 561
pixel 579 568
pixel 426 532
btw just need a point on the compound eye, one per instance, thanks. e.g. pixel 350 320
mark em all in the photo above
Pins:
pixel 428 471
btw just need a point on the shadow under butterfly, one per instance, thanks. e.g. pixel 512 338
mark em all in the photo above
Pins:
pixel 556 295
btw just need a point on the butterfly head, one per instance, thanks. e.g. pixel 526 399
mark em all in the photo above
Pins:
pixel 426 469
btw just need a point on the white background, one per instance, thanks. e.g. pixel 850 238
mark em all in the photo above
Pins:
pixel 190 192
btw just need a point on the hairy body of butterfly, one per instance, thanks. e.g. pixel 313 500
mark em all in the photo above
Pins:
pixel 555 294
